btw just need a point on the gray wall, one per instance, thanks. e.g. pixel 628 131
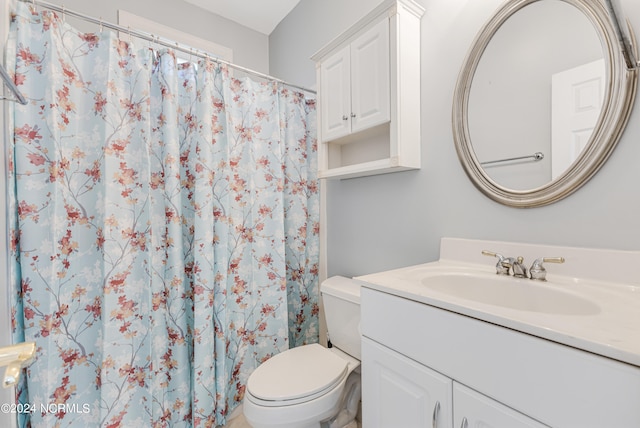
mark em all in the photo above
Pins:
pixel 250 47
pixel 387 221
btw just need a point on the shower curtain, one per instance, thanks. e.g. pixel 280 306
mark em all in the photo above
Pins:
pixel 164 229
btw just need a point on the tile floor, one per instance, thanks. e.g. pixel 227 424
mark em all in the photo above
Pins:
pixel 240 422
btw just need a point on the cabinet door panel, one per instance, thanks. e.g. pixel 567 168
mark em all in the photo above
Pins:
pixel 398 392
pixel 370 78
pixel 335 94
pixel 482 412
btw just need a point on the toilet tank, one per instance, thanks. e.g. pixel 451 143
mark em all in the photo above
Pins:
pixel 341 300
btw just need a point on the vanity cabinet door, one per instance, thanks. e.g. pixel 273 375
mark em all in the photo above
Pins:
pixel 474 410
pixel 398 392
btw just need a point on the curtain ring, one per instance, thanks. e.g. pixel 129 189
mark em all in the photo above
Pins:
pixel 150 47
pixel 129 31
pixel 101 26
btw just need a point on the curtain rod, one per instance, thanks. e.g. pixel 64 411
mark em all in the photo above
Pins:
pixel 9 83
pixel 625 39
pixel 156 39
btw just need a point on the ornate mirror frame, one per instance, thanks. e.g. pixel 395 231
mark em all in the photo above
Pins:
pixel 616 108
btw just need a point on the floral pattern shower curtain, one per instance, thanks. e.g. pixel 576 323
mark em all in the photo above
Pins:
pixel 164 229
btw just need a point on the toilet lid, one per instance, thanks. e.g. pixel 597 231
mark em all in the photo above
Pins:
pixel 297 373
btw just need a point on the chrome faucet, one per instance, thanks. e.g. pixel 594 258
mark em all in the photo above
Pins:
pixel 504 263
pixel 519 269
pixel 538 272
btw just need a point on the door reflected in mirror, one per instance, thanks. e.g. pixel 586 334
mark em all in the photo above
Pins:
pixel 538 88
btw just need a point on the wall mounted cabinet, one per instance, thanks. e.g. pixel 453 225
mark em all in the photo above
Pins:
pixel 355 85
pixel 369 94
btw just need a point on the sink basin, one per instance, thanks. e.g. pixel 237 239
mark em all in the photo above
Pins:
pixel 509 292
pixel 590 302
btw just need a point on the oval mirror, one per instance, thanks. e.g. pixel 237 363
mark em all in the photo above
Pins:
pixel 541 101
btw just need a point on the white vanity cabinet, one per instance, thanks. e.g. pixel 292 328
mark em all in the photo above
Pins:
pixel 369 94
pixel 483 375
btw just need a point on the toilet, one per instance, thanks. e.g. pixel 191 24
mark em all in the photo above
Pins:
pixel 313 386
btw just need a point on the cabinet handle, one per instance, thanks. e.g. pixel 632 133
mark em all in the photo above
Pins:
pixel 353 115
pixel 436 411
pixel 464 423
pixel 345 117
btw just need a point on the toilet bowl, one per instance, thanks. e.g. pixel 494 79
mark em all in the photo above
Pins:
pixel 313 386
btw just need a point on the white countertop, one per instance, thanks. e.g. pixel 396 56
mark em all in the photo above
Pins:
pixel 612 331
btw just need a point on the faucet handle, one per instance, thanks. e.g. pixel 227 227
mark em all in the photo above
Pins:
pixel 519 270
pixel 503 265
pixel 491 253
pixel 537 270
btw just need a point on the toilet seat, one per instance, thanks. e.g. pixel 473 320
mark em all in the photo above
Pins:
pixel 296 376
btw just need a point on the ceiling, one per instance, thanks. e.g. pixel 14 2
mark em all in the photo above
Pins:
pixel 260 15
